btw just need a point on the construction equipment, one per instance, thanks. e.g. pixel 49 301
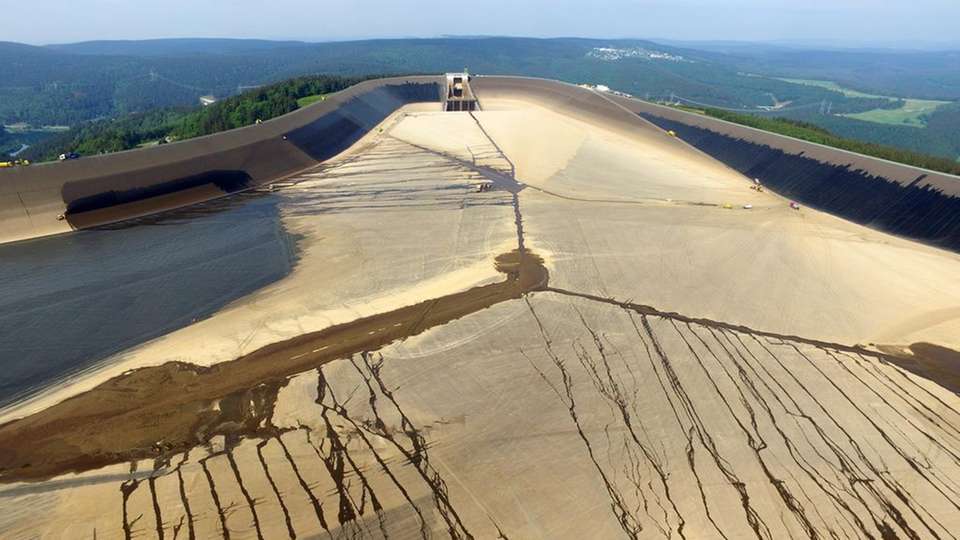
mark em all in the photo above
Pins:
pixel 672 133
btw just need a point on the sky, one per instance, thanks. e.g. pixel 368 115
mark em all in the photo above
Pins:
pixel 855 22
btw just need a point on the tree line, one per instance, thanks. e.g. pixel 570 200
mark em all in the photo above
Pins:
pixel 816 134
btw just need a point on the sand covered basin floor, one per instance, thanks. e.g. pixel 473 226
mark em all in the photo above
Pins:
pixel 521 324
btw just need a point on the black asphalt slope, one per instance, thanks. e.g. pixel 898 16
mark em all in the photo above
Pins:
pixel 899 199
pixel 915 210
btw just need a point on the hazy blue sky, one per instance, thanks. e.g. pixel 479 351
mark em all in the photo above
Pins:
pixel 855 21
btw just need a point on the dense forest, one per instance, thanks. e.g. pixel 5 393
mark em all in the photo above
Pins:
pixel 814 133
pixel 67 84
pixel 914 73
pixel 940 136
pixel 262 103
pixel 6 144
pixel 160 125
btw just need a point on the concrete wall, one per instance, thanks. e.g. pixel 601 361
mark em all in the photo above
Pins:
pixel 102 189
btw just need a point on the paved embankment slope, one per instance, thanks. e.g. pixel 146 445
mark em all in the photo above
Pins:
pixel 103 189
pixel 892 197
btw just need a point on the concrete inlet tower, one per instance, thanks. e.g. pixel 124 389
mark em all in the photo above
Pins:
pixel 458 96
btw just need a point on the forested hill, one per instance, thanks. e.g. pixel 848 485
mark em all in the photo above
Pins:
pixel 918 74
pixel 43 86
pixel 816 134
pixel 172 47
pixel 4 139
pixel 160 126
pixel 59 85
pixel 871 96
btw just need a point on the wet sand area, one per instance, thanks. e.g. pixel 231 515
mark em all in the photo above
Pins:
pixel 153 411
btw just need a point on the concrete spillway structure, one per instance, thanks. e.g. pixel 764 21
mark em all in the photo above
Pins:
pixel 458 96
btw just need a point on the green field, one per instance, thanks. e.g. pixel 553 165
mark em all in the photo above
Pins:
pixel 830 85
pixel 912 113
pixel 810 132
pixel 150 127
pixel 304 101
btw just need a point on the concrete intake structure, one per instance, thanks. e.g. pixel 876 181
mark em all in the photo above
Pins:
pixel 892 197
pixel 458 95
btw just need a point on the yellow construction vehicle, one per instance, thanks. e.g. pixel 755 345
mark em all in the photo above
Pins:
pixel 14 163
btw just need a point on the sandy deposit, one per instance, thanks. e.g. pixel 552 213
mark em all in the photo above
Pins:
pixel 689 370
pixel 416 214
pixel 771 267
pixel 574 418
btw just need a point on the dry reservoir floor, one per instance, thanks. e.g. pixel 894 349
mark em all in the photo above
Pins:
pixel 643 362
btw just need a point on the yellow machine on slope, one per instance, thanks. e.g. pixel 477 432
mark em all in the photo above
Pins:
pixel 15 163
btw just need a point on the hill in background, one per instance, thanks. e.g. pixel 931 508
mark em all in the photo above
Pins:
pixel 72 84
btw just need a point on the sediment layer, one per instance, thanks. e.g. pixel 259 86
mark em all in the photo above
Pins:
pixel 176 406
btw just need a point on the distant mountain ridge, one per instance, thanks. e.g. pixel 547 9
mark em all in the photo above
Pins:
pixel 171 47
pixel 68 84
